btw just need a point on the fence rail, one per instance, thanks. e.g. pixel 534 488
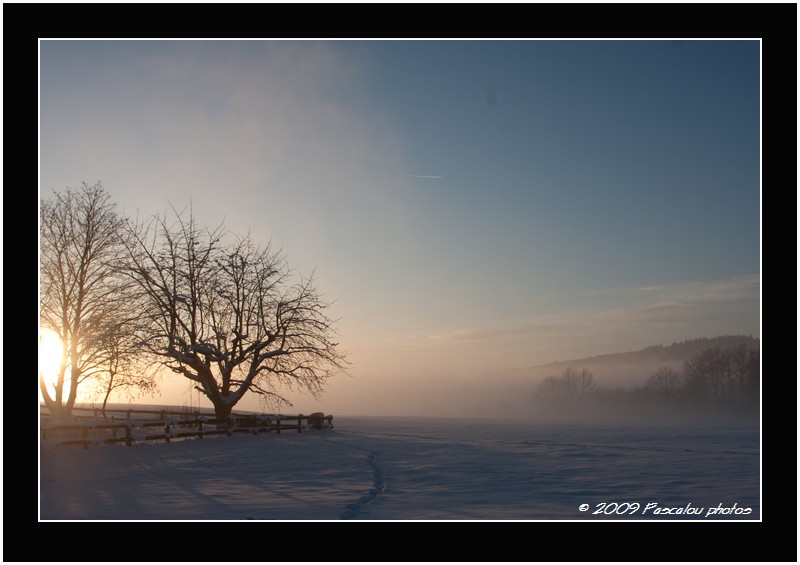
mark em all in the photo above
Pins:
pixel 107 428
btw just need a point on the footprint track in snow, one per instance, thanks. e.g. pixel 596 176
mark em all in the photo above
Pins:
pixel 378 480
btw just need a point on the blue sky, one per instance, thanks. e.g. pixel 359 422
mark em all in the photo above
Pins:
pixel 589 196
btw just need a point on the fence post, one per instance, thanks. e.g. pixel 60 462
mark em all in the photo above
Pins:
pixel 127 434
pixel 278 426
pixel 299 423
pixel 200 429
pixel 85 434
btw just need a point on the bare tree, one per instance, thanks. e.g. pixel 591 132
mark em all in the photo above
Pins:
pixel 665 382
pixel 550 387
pixel 709 378
pixel 122 369
pixel 80 238
pixel 225 314
pixel 578 382
pixel 571 383
pixel 724 377
pixel 746 374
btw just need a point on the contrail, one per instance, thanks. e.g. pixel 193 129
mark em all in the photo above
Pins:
pixel 423 176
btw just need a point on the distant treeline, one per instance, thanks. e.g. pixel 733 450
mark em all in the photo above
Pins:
pixel 690 347
pixel 668 353
pixel 716 378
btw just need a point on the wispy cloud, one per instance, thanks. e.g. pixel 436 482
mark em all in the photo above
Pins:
pixel 423 176
pixel 734 288
pixel 726 304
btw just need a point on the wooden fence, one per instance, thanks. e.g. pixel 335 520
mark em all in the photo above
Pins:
pixel 130 426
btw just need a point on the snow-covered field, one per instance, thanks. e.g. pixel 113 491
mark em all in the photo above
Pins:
pixel 415 469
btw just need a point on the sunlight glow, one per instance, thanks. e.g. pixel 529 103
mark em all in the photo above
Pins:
pixel 51 352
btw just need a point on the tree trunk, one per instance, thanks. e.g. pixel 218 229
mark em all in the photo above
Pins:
pixel 105 401
pixel 222 410
pixel 58 411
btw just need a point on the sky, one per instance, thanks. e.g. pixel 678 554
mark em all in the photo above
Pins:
pixel 472 206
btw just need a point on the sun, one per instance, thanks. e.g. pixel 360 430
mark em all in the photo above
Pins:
pixel 51 352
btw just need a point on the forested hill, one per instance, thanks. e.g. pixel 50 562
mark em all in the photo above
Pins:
pixel 669 354
pixel 615 380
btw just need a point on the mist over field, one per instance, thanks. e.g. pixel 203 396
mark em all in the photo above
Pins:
pixel 619 391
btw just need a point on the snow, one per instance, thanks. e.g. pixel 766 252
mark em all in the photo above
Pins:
pixel 398 469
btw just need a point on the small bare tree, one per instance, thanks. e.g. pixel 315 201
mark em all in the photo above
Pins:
pixel 665 382
pixel 80 239
pixel 225 314
pixel 572 383
pixel 122 369
pixel 578 382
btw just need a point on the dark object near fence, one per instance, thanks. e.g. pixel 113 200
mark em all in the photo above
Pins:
pixel 316 420
pixel 195 425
